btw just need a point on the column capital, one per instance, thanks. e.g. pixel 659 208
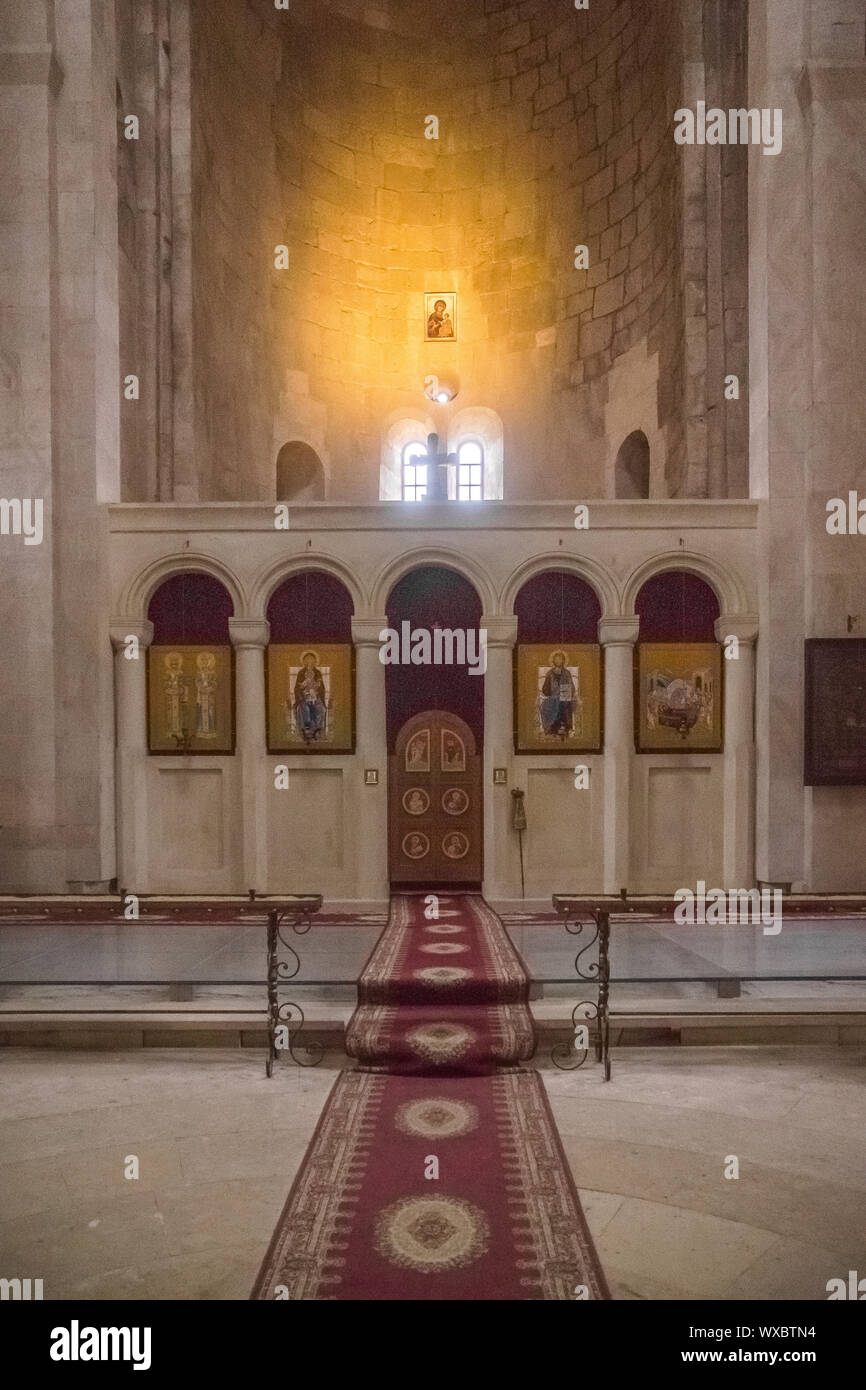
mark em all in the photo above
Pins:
pixel 249 632
pixel 501 630
pixel 618 632
pixel 365 631
pixel 743 626
pixel 121 629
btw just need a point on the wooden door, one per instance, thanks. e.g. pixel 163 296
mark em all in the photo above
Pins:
pixel 434 814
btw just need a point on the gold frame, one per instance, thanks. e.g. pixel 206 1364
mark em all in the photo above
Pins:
pixel 161 740
pixel 529 659
pixel 679 660
pixel 338 660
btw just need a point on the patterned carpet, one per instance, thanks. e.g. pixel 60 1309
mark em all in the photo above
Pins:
pixel 436 1171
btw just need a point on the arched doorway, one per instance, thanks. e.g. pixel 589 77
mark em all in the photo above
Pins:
pixel 435 712
pixel 435 827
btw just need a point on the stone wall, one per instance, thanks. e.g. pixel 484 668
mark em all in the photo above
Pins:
pixel 555 129
pixel 807 209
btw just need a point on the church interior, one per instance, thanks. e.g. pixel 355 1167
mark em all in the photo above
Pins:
pixel 433 753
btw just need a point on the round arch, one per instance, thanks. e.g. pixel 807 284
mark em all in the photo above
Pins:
pixel 442 556
pixel 270 578
pixel 600 580
pixel 300 473
pixel 140 589
pixel 731 591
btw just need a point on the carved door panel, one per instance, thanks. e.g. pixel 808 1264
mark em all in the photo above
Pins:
pixel 435 823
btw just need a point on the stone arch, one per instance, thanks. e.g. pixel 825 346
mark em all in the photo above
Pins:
pixel 139 590
pixel 595 575
pixel 300 473
pixel 270 578
pixel 632 467
pixel 446 558
pixel 735 598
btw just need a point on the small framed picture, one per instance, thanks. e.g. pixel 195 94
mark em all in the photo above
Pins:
pixel 440 317
pixel 500 777
pixel 371 777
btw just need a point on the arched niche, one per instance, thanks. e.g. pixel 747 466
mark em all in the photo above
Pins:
pixel 557 606
pixel 189 608
pixel 677 606
pixel 310 606
pixel 189 667
pixel 300 474
pixel 428 597
pixel 632 467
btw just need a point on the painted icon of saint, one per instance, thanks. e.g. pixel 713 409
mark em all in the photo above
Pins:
pixel 557 700
pixel 417 754
pixel 174 693
pixel 310 700
pixel 205 695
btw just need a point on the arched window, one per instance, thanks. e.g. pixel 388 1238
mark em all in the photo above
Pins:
pixel 632 469
pixel 470 471
pixel 414 472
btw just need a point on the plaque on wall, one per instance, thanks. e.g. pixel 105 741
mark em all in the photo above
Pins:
pixel 557 698
pixel 311 698
pixel 189 699
pixel 679 697
pixel 835 712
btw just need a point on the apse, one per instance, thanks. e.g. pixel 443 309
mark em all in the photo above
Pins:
pixel 513 164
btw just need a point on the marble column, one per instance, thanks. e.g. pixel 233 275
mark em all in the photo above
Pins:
pixel 739 750
pixel 130 753
pixel 501 860
pixel 370 803
pixel 249 637
pixel 618 636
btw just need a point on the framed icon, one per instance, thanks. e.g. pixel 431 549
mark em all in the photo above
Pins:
pixel 416 802
pixel 500 777
pixel 679 697
pixel 190 699
pixel 440 317
pixel 415 845
pixel 311 698
pixel 418 752
pixel 371 777
pixel 835 712
pixel 557 698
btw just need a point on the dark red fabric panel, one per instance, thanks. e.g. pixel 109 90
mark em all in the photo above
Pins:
pixel 426 598
pixel 557 606
pixel 312 606
pixel 190 607
pixel 677 607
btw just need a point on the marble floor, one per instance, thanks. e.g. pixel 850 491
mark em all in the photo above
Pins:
pixel 218 1146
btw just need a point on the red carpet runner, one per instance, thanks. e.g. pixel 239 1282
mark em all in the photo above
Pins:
pixel 441 1026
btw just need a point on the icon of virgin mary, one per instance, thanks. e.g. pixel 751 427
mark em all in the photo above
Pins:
pixel 310 700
